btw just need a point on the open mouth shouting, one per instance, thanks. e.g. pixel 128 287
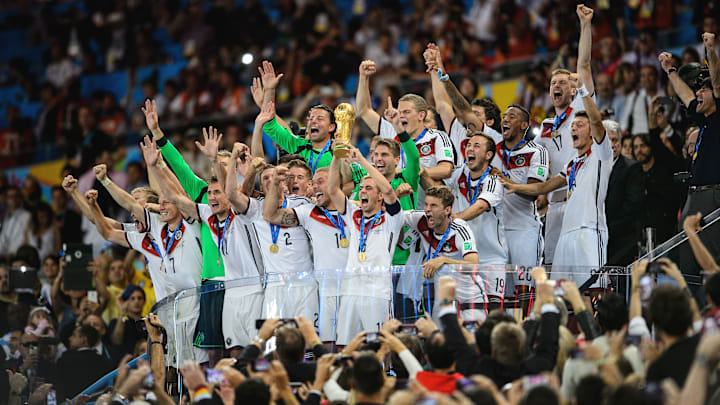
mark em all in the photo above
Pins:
pixel 314 130
pixel 404 123
pixel 557 96
pixel 471 158
pixel 505 130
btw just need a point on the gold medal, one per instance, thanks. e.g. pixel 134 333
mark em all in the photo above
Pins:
pixel 274 248
pixel 362 256
pixel 344 242
pixel 555 134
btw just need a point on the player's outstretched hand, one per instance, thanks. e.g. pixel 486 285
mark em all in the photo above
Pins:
pixel 211 142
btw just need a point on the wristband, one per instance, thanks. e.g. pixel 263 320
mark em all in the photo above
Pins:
pixel 201 392
pixel 161 164
pixel 106 181
pixel 152 342
pixel 583 91
pixel 442 77
pixel 259 340
pixel 672 69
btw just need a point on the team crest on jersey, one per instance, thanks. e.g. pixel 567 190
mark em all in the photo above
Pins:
pixel 358 217
pixel 178 235
pixel 425 149
pixel 520 160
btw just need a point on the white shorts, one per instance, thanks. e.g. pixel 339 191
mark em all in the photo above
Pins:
pixel 579 254
pixel 240 310
pixel 327 319
pixel 359 314
pixel 553 226
pixel 525 247
pixel 291 300
pixel 188 312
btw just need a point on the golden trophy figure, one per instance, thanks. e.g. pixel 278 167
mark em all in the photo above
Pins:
pixel 344 121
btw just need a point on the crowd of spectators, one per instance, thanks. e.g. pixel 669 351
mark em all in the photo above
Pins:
pixel 73 118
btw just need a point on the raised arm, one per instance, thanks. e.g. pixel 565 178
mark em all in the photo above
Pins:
pixel 585 15
pixel 362 99
pixel 267 113
pixel 115 236
pixel 153 159
pixel 681 88
pixel 70 185
pixel 188 181
pixel 238 200
pixel 713 62
pixel 382 183
pixel 270 82
pixel 596 126
pixel 534 189
pixel 122 197
pixel 271 212
pixel 334 185
pixel 442 100
pixel 209 148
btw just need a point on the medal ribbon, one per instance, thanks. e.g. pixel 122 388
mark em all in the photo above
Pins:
pixel 221 238
pixel 697 143
pixel 430 253
pixel 313 161
pixel 560 119
pixel 339 224
pixel 571 179
pixel 506 157
pixel 275 229
pixel 171 241
pixel 475 193
pixel 363 234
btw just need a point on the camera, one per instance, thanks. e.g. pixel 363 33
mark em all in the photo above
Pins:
pixel 694 75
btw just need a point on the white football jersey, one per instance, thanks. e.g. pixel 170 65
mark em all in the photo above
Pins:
pixel 559 147
pixel 294 252
pixel 180 250
pixel 434 146
pixel 486 227
pixel 458 137
pixel 143 243
pixel 528 161
pixel 241 260
pixel 586 197
pixel 459 243
pixel 325 239
pixel 380 242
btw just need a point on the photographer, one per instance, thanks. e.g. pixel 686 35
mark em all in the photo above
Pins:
pixel 704 195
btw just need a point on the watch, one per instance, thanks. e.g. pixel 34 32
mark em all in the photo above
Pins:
pixel 672 69
pixel 257 339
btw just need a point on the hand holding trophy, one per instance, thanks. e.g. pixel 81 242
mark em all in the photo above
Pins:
pixel 345 120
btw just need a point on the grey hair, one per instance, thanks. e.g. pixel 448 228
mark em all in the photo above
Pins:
pixel 612 126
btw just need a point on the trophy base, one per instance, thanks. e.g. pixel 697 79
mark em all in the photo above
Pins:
pixel 341 151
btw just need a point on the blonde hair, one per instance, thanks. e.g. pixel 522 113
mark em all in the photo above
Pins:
pixel 418 102
pixel 560 71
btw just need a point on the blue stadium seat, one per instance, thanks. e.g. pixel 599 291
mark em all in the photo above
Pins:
pixel 115 82
pixel 174 51
pixel 11 95
pixel 30 109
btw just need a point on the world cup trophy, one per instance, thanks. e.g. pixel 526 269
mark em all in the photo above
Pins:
pixel 344 121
